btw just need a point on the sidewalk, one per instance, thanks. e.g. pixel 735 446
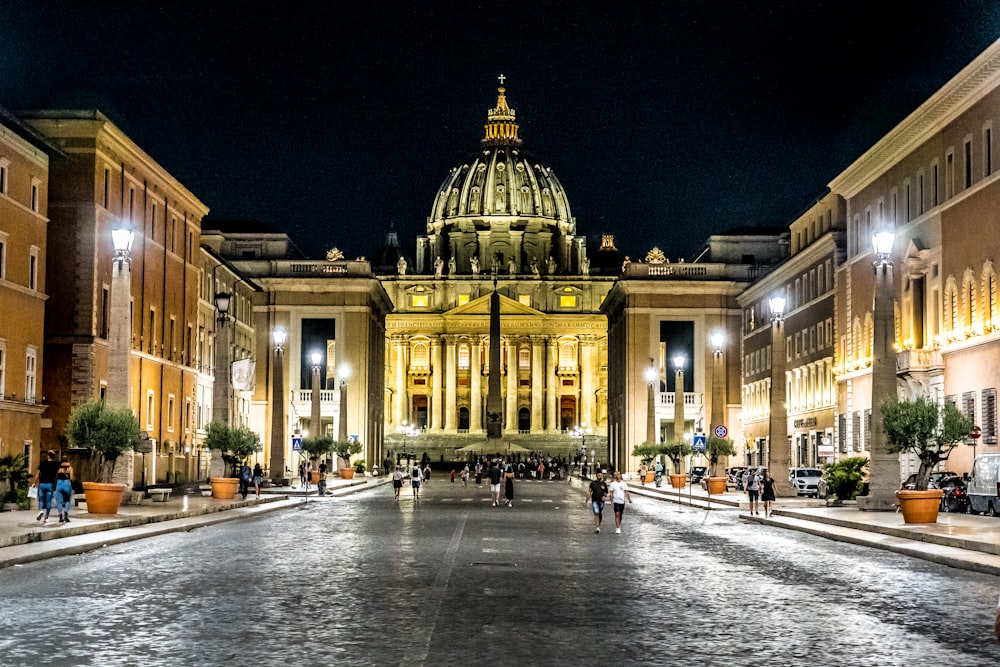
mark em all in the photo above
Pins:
pixel 24 540
pixel 964 541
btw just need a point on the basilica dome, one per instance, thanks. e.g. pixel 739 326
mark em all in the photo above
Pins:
pixel 502 206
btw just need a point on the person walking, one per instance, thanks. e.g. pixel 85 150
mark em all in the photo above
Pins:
pixel 245 476
pixel 465 476
pixel 619 494
pixel 642 474
pixel 45 480
pixel 479 473
pixel 658 473
pixel 64 488
pixel 415 479
pixel 596 492
pixel 427 473
pixel 767 493
pixel 397 481
pixel 258 478
pixel 495 475
pixel 508 487
pixel 751 482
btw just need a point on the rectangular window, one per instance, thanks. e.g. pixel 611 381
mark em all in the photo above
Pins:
pixel 567 301
pixel 33 269
pixel 187 415
pixel 842 433
pixel 463 357
pixel 105 314
pixel 35 203
pixel 463 299
pixel 920 194
pixel 418 300
pixel 4 168
pixel 866 444
pixel 152 327
pixel 30 374
pixel 969 405
pixel 152 221
pixel 170 412
pixel 524 359
pixel 856 431
pixel 524 299
pixel 988 151
pixel 968 163
pixel 989 418
pixel 107 186
pixel 935 182
pixel 3 255
pixel 150 402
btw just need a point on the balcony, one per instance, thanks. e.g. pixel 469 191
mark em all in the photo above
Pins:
pixel 909 362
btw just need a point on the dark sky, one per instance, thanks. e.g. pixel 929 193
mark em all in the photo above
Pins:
pixel 665 121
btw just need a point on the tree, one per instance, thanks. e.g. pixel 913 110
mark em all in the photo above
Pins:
pixel 319 447
pixel 14 475
pixel 235 443
pixel 919 426
pixel 715 448
pixel 105 431
pixel 675 450
pixel 346 449
pixel 646 452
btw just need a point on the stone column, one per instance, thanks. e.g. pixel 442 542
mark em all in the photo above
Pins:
pixel 451 362
pixel 400 401
pixel 475 388
pixel 511 426
pixel 436 372
pixel 551 389
pixel 588 374
pixel 537 383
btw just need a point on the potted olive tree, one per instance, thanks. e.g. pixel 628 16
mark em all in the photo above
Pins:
pixel 108 433
pixel 346 449
pixel 919 426
pixel 318 448
pixel 235 444
pixel 716 448
pixel 675 450
pixel 646 453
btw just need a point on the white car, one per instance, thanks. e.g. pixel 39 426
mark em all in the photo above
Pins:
pixel 805 480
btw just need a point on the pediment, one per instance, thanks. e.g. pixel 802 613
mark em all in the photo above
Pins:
pixel 481 306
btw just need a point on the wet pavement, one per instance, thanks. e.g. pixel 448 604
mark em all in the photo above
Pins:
pixel 362 579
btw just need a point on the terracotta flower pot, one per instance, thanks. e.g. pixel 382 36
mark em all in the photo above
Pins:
pixel 716 485
pixel 225 488
pixel 103 498
pixel 650 477
pixel 919 506
pixel 347 473
pixel 314 476
pixel 678 481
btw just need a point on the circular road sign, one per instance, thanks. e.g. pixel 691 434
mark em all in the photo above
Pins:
pixel 976 432
pixel 721 431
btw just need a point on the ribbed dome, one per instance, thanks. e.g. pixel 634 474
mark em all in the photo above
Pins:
pixel 501 181
pixel 502 208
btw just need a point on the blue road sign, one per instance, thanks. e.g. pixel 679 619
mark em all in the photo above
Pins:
pixel 699 442
pixel 296 443
pixel 721 431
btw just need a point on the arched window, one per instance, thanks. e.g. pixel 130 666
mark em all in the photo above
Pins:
pixel 968 301
pixel 420 355
pixel 567 355
pixel 463 357
pixel 951 308
pixel 989 297
pixel 524 359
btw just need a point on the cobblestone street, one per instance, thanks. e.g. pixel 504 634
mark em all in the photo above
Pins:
pixel 451 580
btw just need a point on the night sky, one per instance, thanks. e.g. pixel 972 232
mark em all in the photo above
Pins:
pixel 337 121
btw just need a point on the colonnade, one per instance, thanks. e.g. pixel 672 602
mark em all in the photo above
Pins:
pixel 555 367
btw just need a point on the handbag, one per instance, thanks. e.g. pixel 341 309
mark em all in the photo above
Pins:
pixel 32 491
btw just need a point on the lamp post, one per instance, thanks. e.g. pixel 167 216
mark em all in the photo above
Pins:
pixel 277 461
pixel 679 397
pixel 120 338
pixel 314 417
pixel 222 392
pixel 718 379
pixel 651 378
pixel 344 372
pixel 884 470
pixel 778 455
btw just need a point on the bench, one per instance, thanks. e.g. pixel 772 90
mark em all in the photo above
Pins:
pixel 159 495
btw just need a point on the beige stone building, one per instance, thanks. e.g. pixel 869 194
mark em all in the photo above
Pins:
pixel 934 180
pixel 103 182
pixel 24 198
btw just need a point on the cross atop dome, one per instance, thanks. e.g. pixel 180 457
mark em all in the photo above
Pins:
pixel 501 130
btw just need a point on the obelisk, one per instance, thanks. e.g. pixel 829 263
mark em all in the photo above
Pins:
pixel 494 402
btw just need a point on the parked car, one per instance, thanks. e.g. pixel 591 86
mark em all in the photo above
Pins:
pixel 805 480
pixel 697 473
pixel 734 477
pixel 956 495
pixel 932 482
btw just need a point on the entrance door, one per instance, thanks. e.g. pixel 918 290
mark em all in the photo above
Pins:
pixel 463 419
pixel 524 420
pixel 419 416
pixel 567 413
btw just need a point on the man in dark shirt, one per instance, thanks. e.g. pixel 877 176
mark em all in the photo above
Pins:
pixel 495 475
pixel 596 492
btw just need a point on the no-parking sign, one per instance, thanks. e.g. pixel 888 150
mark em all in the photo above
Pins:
pixel 721 431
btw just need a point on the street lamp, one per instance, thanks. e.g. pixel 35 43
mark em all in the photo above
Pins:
pixel 778 455
pixel 679 397
pixel 277 462
pixel 884 470
pixel 222 388
pixel 120 335
pixel 317 358
pixel 344 371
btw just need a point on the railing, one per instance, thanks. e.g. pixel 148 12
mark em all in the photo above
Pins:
pixel 682 271
pixel 690 398
pixel 305 395
pixel 305 268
